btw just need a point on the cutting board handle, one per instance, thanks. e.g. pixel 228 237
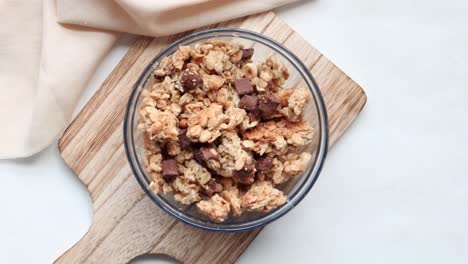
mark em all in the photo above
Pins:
pixel 93 248
pixel 77 253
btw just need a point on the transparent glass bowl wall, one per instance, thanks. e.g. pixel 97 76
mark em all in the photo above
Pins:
pixel 315 114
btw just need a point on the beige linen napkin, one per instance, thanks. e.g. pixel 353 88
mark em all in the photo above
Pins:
pixel 44 65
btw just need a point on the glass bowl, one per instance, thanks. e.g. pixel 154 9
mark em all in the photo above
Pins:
pixel 315 114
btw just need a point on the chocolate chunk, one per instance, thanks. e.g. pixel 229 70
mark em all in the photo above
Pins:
pixel 204 154
pixel 191 80
pixel 210 187
pixel 249 103
pixel 211 184
pixel 253 116
pixel 197 155
pixel 209 153
pixel 245 175
pixel 184 141
pixel 268 105
pixel 247 54
pixel 169 169
pixel 243 86
pixel 264 165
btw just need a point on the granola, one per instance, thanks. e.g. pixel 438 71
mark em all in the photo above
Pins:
pixel 222 131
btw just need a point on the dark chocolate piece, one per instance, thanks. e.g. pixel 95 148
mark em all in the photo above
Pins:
pixel 264 165
pixel 249 103
pixel 209 153
pixel 210 187
pixel 184 141
pixel 198 157
pixel 204 154
pixel 169 169
pixel 268 105
pixel 243 86
pixel 245 175
pixel 191 80
pixel 253 116
pixel 247 54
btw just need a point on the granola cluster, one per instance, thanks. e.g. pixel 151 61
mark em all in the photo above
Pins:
pixel 221 131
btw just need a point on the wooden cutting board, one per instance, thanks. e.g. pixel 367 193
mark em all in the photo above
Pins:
pixel 126 223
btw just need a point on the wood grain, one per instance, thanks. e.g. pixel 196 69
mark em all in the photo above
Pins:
pixel 126 223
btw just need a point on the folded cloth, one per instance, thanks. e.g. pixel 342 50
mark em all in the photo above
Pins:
pixel 44 65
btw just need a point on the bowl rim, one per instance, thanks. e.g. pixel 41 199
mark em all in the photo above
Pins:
pixel 322 149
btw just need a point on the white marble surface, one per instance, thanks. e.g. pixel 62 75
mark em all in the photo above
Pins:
pixel 394 188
